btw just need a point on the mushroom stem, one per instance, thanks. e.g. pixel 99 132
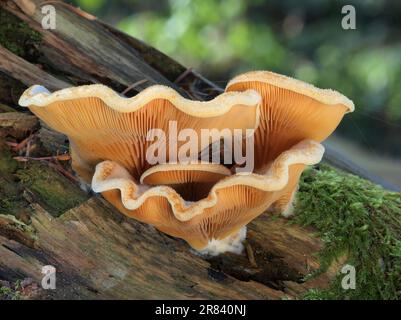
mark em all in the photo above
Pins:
pixel 232 243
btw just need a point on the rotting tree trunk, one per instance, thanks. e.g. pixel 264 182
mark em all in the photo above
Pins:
pixel 46 219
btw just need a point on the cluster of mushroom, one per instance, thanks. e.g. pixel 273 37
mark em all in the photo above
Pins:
pixel 206 204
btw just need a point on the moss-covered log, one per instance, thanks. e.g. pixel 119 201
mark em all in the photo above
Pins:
pixel 46 218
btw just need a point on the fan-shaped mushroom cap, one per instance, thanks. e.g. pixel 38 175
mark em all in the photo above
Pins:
pixel 291 111
pixel 230 204
pixel 102 125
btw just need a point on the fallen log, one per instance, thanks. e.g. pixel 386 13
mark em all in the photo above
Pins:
pixel 46 219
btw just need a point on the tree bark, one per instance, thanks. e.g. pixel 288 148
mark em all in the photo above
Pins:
pixel 98 253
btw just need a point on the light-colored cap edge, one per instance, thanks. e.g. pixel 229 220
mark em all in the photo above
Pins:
pixel 325 96
pixel 109 175
pixel 39 96
pixel 200 166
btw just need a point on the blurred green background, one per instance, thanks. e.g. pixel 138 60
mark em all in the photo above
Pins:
pixel 303 39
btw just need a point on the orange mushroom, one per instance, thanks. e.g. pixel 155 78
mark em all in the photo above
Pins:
pixel 102 125
pixel 206 204
pixel 291 111
pixel 232 201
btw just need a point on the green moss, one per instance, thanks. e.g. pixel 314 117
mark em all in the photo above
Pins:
pixel 11 200
pixel 45 185
pixel 52 190
pixel 7 163
pixel 19 225
pixel 16 35
pixel 359 218
pixel 9 294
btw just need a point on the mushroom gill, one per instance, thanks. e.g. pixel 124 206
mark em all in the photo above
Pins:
pixel 192 182
pixel 291 111
pixel 102 125
pixel 231 203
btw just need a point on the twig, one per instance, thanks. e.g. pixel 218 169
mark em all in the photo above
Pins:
pixel 192 96
pixel 11 144
pixel 207 81
pixel 132 86
pixel 64 172
pixel 22 144
pixel 28 148
pixel 61 157
pixel 183 75
pixel 52 161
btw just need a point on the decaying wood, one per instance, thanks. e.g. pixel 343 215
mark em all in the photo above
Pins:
pixel 98 253
pixel 26 72
pixel 17 124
